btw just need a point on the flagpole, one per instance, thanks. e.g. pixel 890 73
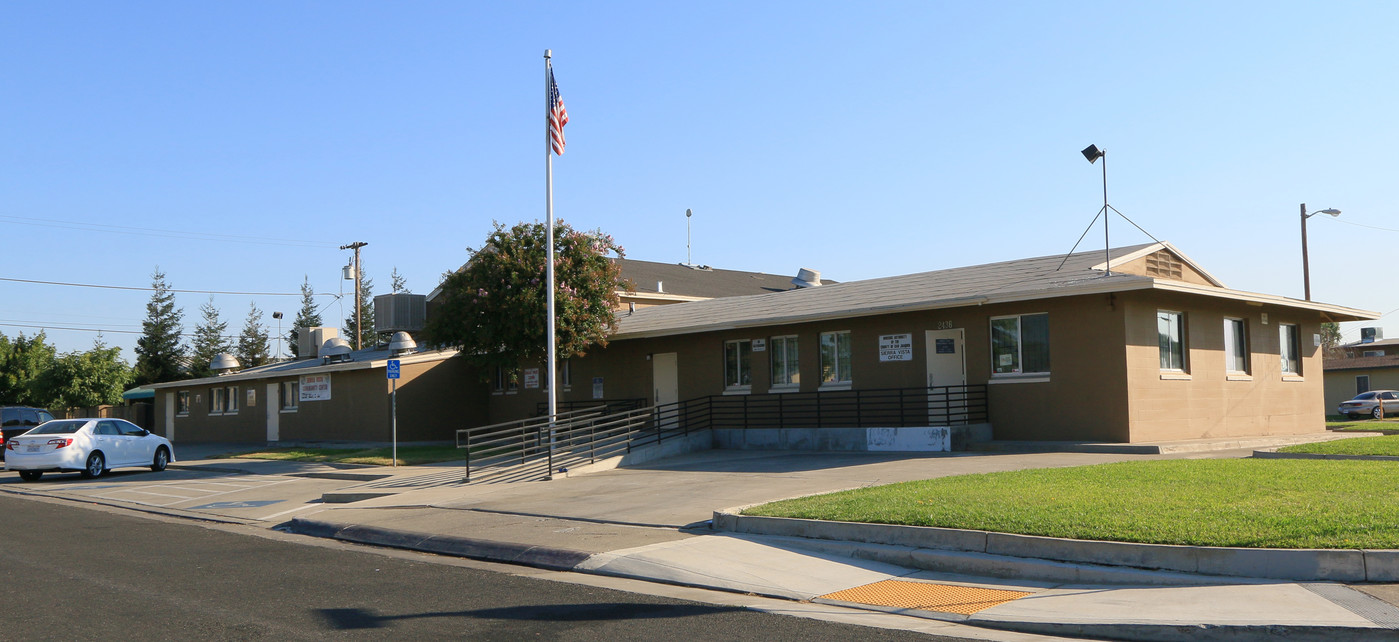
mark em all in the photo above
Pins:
pixel 549 268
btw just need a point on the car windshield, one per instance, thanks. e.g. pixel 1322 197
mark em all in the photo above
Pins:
pixel 60 427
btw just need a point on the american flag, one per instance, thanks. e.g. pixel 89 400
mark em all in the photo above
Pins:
pixel 558 116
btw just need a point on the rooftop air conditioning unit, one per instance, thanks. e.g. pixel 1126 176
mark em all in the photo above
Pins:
pixel 400 312
pixel 310 340
pixel 1371 335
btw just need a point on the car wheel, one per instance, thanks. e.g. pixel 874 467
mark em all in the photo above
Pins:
pixel 1377 413
pixel 31 475
pixel 162 458
pixel 95 466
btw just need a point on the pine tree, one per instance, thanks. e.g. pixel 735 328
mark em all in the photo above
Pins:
pixel 252 342
pixel 159 353
pixel 398 283
pixel 210 338
pixel 308 317
pixel 366 305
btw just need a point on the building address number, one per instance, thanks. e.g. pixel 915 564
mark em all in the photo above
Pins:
pixel 942 325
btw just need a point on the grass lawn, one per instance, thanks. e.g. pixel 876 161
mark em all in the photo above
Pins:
pixel 1344 423
pixel 1205 502
pixel 1386 445
pixel 407 455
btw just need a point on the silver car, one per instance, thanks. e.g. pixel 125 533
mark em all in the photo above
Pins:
pixel 1368 403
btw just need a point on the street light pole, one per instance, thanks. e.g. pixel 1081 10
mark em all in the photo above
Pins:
pixel 1306 269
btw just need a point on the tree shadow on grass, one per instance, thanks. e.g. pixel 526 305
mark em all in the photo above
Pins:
pixel 356 618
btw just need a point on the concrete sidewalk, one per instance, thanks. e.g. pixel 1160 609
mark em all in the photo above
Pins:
pixel 651 523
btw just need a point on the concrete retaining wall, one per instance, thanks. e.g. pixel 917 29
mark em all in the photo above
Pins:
pixel 1338 565
pixel 911 439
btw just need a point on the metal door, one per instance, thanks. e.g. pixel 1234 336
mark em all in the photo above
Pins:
pixel 665 386
pixel 947 366
pixel 274 412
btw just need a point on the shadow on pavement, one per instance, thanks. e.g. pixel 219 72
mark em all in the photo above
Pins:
pixel 354 618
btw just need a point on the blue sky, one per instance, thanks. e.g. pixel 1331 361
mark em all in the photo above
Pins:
pixel 858 139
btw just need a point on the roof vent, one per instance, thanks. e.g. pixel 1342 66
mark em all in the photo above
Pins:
pixel 402 343
pixel 336 350
pixel 660 287
pixel 807 278
pixel 223 363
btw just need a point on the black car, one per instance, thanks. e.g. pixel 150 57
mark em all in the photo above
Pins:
pixel 17 420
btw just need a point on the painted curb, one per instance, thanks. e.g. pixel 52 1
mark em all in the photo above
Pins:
pixel 557 559
pixel 1332 565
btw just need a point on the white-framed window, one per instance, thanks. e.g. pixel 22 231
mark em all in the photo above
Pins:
pixel 182 403
pixel 291 395
pixel 1362 384
pixel 566 372
pixel 786 372
pixel 231 395
pixel 1290 349
pixel 738 364
pixel 835 358
pixel 1170 336
pixel 1235 346
pixel 1020 344
pixel 1372 353
pixel 217 401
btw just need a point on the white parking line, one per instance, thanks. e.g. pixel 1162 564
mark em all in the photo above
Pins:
pixel 268 517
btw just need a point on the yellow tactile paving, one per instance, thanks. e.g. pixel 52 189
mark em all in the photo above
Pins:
pixel 946 598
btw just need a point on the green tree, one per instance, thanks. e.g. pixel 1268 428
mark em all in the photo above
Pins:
pixel 22 362
pixel 84 379
pixel 159 353
pixel 210 338
pixel 308 317
pixel 368 339
pixel 1331 340
pixel 397 283
pixel 252 342
pixel 493 309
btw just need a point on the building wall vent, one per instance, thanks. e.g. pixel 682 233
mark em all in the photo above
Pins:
pixel 400 312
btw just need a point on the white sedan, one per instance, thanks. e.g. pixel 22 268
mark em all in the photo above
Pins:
pixel 92 446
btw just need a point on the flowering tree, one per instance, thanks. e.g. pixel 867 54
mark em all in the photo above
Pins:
pixel 493 309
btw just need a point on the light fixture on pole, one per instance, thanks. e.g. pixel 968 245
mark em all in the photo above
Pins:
pixel 278 317
pixel 1092 153
pixel 688 261
pixel 1306 269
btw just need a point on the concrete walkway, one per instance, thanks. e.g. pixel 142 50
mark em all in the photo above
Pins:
pixel 651 523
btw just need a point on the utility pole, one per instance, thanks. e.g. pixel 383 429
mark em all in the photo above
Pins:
pixel 359 310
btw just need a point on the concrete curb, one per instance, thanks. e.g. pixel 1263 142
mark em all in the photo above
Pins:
pixel 1268 454
pixel 1333 565
pixel 558 559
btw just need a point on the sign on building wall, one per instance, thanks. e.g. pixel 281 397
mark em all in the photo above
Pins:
pixel 896 347
pixel 597 387
pixel 531 377
pixel 315 387
pixel 760 345
pixel 252 397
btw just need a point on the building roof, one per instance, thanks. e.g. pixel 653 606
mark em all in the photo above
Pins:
pixel 1373 344
pixel 701 281
pixel 366 359
pixel 1020 280
pixel 1361 363
pixel 682 282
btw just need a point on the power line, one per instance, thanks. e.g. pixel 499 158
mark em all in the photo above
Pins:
pixel 44 328
pixel 141 231
pixel 1373 227
pixel 150 289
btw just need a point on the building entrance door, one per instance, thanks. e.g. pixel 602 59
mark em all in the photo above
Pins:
pixel 947 366
pixel 665 387
pixel 274 409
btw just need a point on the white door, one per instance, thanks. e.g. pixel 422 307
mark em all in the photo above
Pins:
pixel 947 366
pixel 666 386
pixel 170 416
pixel 273 411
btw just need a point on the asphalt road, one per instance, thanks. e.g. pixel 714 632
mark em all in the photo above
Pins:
pixel 72 571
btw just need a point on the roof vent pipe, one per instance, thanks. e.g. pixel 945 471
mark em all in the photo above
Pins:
pixel 660 287
pixel 223 363
pixel 807 278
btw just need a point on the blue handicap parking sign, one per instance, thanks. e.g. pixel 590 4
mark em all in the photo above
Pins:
pixel 393 369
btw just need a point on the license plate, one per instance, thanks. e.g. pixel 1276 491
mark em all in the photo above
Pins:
pixel 32 448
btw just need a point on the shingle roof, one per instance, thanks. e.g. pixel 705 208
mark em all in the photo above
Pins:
pixel 1023 279
pixel 709 283
pixel 1357 363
